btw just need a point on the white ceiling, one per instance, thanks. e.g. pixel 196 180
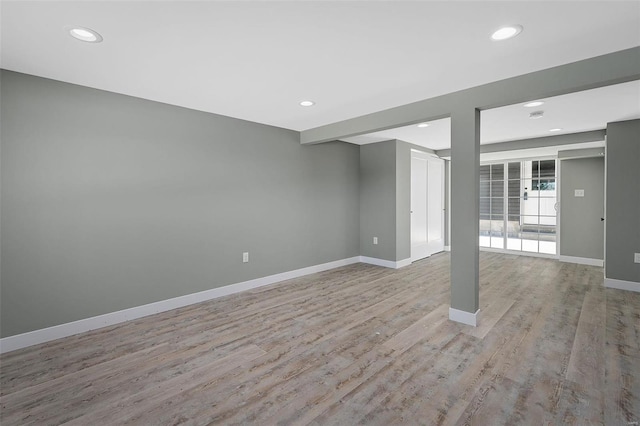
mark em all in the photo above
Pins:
pixel 575 112
pixel 258 60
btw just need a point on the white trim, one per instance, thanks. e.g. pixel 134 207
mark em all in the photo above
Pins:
pixel 464 317
pixel 519 253
pixel 621 284
pixel 448 186
pixel 23 340
pixel 604 211
pixel 402 263
pixel 447 248
pixel 386 263
pixel 581 260
pixel 558 207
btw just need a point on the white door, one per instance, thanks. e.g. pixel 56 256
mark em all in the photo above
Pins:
pixel 435 205
pixel 419 239
pixel 427 202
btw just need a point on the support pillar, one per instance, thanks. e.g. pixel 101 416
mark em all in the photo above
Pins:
pixel 465 213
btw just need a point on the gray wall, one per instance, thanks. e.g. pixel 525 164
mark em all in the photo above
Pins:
pixel 110 202
pixel 581 230
pixel 378 200
pixel 623 200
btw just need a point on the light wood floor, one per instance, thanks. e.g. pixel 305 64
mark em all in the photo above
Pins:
pixel 356 345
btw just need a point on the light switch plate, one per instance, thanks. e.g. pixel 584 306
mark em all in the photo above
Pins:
pixel 579 192
pixel 636 257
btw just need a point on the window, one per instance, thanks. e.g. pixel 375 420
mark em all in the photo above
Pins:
pixel 517 206
pixel 541 170
pixel 543 185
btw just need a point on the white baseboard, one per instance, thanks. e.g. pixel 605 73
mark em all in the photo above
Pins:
pixel 582 260
pixel 386 263
pixel 464 317
pixel 23 340
pixel 447 248
pixel 519 253
pixel 402 263
pixel 621 284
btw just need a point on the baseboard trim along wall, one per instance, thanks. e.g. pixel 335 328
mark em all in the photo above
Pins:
pixel 581 260
pixel 519 253
pixel 403 263
pixel 621 284
pixel 35 337
pixel 386 263
pixel 464 317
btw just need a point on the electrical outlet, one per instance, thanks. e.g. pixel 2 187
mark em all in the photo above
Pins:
pixel 375 240
pixel 245 257
pixel 636 258
pixel 579 193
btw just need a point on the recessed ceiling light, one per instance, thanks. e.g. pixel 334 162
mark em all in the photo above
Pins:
pixel 533 104
pixel 307 103
pixel 557 129
pixel 536 114
pixel 84 34
pixel 423 125
pixel 506 32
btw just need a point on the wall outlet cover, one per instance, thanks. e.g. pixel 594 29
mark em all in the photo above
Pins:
pixel 375 240
pixel 579 192
pixel 636 258
pixel 245 257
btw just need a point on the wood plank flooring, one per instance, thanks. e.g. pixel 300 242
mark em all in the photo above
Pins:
pixel 355 345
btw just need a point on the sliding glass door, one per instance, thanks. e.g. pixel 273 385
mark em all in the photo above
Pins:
pixel 518 206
